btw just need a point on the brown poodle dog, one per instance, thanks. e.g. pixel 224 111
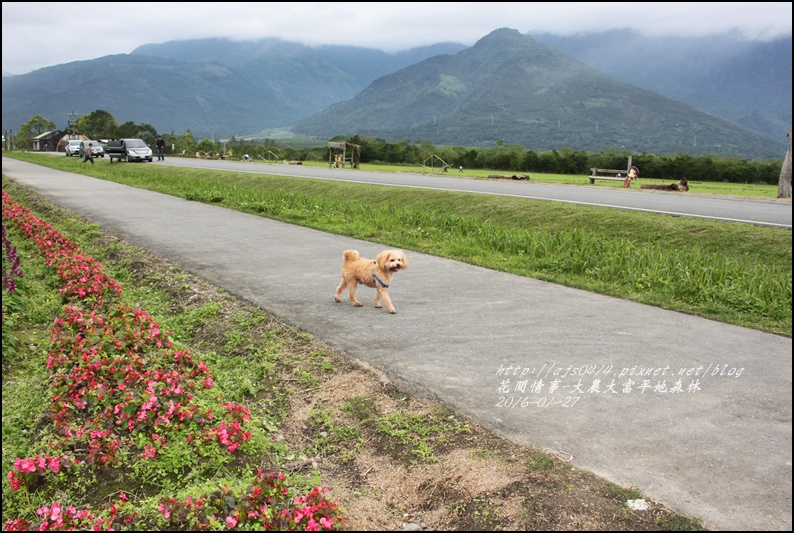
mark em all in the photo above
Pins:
pixel 375 273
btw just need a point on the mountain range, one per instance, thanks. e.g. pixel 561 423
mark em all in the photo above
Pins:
pixel 541 92
pixel 747 82
pixel 212 87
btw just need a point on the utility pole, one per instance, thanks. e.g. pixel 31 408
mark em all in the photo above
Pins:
pixel 72 124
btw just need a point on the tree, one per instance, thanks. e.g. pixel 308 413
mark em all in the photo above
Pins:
pixel 98 125
pixel 206 145
pixel 130 130
pixel 186 143
pixel 147 133
pixel 784 183
pixel 32 128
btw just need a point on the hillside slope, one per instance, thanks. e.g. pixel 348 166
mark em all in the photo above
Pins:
pixel 510 88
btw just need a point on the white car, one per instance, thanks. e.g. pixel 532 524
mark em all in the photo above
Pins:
pixel 96 149
pixel 72 147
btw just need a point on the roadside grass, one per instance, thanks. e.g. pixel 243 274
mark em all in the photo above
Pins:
pixel 306 426
pixel 750 190
pixel 746 190
pixel 729 272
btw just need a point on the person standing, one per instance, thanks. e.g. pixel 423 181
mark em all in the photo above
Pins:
pixel 160 148
pixel 88 154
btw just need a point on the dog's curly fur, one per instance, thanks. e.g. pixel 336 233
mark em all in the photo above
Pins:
pixel 375 273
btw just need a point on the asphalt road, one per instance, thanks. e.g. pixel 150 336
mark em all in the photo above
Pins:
pixel 695 413
pixel 753 211
pixel 758 211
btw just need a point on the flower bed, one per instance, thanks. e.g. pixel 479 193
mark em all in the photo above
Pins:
pixel 120 390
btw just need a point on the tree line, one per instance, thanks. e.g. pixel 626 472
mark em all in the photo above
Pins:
pixel 505 158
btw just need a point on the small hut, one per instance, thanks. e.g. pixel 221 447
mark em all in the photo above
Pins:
pixel 343 153
pixel 47 141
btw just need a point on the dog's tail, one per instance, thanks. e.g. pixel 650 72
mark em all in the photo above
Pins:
pixel 351 255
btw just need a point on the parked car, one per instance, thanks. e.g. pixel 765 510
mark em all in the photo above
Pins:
pixel 128 150
pixel 96 149
pixel 72 147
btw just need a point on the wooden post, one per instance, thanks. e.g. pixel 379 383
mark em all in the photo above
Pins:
pixel 784 182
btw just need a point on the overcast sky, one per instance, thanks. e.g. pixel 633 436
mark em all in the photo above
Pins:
pixel 41 34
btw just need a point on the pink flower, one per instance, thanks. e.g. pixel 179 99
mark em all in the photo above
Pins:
pixel 55 464
pixel 149 452
pixel 165 511
pixel 55 511
pixel 15 483
pixel 25 465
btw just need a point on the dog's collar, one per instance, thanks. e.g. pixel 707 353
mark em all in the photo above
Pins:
pixel 380 281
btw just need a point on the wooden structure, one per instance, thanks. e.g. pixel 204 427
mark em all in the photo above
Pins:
pixel 48 141
pixel 608 174
pixel 338 154
pixel 784 182
pixel 270 157
pixel 444 166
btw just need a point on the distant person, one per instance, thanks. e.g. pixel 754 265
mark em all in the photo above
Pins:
pixel 160 148
pixel 460 168
pixel 89 153
pixel 634 173
pixel 446 167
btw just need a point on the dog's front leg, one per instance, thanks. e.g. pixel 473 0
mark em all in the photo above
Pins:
pixel 383 293
pixel 378 297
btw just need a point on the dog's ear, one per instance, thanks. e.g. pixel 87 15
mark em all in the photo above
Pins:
pixel 382 260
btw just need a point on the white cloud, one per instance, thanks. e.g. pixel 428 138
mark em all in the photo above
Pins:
pixel 42 34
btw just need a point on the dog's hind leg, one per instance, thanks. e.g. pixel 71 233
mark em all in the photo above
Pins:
pixel 339 290
pixel 351 291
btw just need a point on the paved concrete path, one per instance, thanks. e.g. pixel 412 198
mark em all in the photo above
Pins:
pixel 536 362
